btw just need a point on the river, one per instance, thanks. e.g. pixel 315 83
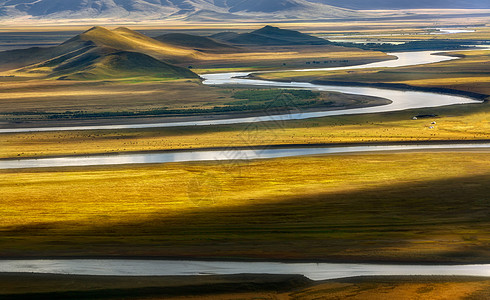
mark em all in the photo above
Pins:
pixel 314 271
pixel 216 155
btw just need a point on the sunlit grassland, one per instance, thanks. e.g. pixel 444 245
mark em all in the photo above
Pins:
pixel 401 206
pixel 288 58
pixel 129 94
pixel 460 122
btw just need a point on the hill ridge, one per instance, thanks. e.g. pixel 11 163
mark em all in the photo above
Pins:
pixel 102 53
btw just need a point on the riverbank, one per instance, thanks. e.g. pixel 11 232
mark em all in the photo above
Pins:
pixel 47 286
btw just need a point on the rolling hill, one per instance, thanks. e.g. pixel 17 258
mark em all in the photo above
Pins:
pixel 271 36
pixel 100 53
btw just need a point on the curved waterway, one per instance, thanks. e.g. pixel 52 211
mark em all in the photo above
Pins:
pixel 401 100
pixel 216 155
pixel 315 271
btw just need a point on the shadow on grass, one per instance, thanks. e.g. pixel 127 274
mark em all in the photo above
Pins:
pixel 435 221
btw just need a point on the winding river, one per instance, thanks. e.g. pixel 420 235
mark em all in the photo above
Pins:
pixel 401 100
pixel 317 271
pixel 216 155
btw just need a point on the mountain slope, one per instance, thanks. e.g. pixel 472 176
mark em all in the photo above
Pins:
pixel 128 40
pixel 101 53
pixel 117 64
pixel 271 36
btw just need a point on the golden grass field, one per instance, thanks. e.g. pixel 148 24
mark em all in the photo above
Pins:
pixel 364 207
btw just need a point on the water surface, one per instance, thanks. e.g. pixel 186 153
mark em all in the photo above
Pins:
pixel 216 155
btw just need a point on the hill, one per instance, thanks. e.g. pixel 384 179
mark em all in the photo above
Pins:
pixel 272 36
pixel 101 53
pixel 106 63
pixel 199 43
pixel 120 39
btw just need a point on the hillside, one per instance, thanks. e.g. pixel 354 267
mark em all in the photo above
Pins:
pixel 199 43
pixel 106 63
pixel 100 53
pixel 128 40
pixel 272 36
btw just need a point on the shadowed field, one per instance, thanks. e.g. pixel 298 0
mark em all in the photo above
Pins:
pixel 242 287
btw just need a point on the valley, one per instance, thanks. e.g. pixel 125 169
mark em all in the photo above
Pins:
pixel 413 207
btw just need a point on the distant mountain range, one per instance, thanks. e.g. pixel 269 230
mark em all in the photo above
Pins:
pixel 100 53
pixel 170 9
pixel 209 10
pixel 406 4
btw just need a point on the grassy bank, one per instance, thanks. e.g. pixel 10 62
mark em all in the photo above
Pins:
pixel 47 286
pixel 372 207
pixel 40 102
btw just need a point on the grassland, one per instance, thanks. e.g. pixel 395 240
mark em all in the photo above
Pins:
pixel 39 102
pixel 410 207
pixel 242 287
pixel 45 286
pixel 411 34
